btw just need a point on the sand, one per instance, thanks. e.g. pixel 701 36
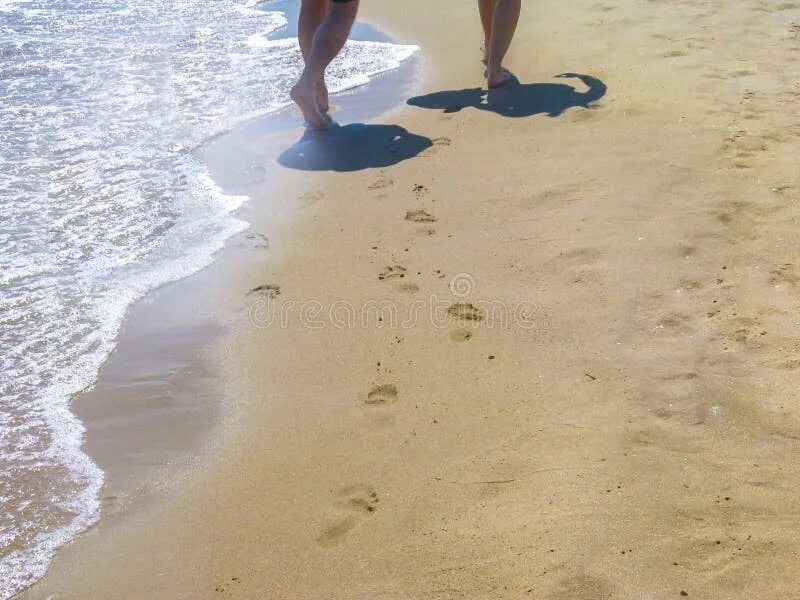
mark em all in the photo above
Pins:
pixel 603 402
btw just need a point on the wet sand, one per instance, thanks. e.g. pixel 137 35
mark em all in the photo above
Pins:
pixel 603 402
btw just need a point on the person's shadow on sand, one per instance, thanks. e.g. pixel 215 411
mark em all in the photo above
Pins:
pixel 517 99
pixel 353 148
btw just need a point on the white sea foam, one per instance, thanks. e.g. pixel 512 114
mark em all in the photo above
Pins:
pixel 9 5
pixel 101 201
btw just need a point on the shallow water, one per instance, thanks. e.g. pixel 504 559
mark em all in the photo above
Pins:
pixel 102 104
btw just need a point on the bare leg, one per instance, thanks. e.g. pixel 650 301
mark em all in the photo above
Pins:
pixel 312 14
pixel 328 41
pixel 504 25
pixel 486 8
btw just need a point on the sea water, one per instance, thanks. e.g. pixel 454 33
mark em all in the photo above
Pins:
pixel 102 104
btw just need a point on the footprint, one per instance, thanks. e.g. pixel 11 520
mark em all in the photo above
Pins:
pixel 744 149
pixel 334 534
pixel 270 290
pixel 583 587
pixel 741 330
pixel 253 175
pixel 359 501
pixel 784 275
pixel 580 264
pixel 675 322
pixel 382 394
pixel 682 376
pixel 438 143
pixel 392 272
pixel 383 181
pixel 310 198
pixel 261 241
pixel 689 285
pixel 740 219
pixel 461 335
pixel 420 216
pixel 582 256
pixel 464 311
pixel 226 587
pixel 409 288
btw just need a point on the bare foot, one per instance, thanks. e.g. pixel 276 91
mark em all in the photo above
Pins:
pixel 502 70
pixel 303 95
pixel 499 78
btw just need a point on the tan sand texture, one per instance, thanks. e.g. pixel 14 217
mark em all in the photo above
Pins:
pixel 632 434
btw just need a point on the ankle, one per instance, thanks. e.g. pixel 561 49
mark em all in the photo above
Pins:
pixel 306 82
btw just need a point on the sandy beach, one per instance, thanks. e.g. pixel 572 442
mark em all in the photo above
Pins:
pixel 541 344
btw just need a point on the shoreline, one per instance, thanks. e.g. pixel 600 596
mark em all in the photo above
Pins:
pixel 166 415
pixel 181 372
pixel 634 441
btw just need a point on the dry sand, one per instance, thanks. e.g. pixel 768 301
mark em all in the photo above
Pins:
pixel 635 435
